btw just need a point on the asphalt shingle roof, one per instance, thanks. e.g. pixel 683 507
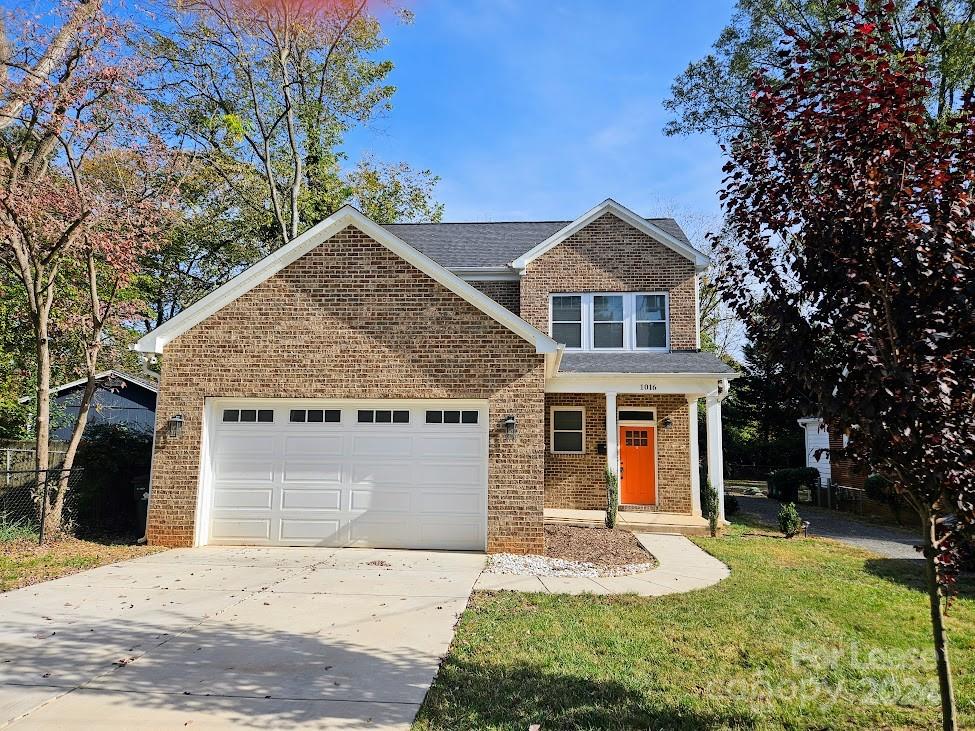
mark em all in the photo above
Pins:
pixel 495 244
pixel 676 362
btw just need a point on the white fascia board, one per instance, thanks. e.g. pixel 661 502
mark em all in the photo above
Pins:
pixel 156 341
pixel 645 383
pixel 701 260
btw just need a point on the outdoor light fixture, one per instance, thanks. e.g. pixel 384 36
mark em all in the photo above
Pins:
pixel 175 425
pixel 510 427
pixel 667 422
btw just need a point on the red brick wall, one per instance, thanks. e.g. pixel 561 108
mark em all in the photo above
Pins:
pixel 577 480
pixel 504 292
pixel 609 255
pixel 350 319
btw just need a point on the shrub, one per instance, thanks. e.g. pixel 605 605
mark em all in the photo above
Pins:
pixel 112 459
pixel 612 497
pixel 789 521
pixel 731 506
pixel 709 506
pixel 784 484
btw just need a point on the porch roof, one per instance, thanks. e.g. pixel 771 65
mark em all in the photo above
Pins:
pixel 677 362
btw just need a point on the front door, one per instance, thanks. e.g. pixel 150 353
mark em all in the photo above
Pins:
pixel 638 473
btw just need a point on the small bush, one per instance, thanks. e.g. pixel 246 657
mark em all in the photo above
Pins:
pixel 612 497
pixel 789 521
pixel 709 506
pixel 731 506
pixel 17 530
pixel 784 484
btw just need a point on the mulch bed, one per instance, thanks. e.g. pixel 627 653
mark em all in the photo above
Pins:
pixel 600 546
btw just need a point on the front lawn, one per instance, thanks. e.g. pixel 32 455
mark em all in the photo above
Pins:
pixel 806 633
pixel 23 562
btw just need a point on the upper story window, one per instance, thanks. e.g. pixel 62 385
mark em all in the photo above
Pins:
pixel 611 321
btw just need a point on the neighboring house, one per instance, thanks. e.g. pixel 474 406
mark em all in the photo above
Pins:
pixel 436 385
pixel 830 464
pixel 119 398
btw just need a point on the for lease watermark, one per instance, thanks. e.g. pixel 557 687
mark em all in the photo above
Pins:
pixel 845 674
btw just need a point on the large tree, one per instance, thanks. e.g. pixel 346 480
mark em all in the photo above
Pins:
pixel 73 217
pixel 856 212
pixel 271 89
pixel 712 94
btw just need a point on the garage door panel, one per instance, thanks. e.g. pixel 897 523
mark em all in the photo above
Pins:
pixel 241 529
pixel 311 499
pixel 454 502
pixel 233 467
pixel 324 530
pixel 310 470
pixel 242 499
pixel 384 500
pixel 322 445
pixel 396 485
pixel 448 445
pixel 448 473
pixel 382 445
pixel 234 442
pixel 391 473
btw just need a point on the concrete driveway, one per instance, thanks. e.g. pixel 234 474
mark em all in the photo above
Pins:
pixel 210 638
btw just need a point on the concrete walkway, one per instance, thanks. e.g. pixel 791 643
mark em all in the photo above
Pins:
pixel 220 638
pixel 683 567
pixel 886 541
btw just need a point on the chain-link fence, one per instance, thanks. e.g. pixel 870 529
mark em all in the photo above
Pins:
pixel 37 504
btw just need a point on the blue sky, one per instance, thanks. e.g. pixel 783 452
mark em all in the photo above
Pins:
pixel 539 109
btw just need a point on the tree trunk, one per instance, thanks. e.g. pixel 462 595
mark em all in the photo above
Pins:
pixel 42 423
pixel 948 710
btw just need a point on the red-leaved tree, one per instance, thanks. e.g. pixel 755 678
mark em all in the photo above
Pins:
pixel 855 212
pixel 83 189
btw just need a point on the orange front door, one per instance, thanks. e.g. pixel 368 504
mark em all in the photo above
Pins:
pixel 638 474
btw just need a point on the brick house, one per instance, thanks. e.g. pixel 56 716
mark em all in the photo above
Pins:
pixel 436 385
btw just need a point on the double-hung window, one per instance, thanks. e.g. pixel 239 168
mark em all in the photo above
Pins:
pixel 611 321
pixel 567 319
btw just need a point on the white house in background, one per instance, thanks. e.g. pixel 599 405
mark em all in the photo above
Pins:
pixel 816 438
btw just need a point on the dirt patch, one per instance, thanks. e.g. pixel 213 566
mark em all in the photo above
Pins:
pixel 23 562
pixel 600 546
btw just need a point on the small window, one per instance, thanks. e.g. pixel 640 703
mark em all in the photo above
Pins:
pixel 265 416
pixel 248 414
pixel 636 416
pixel 451 417
pixel 568 430
pixel 231 414
pixel 384 416
pixel 567 320
pixel 297 416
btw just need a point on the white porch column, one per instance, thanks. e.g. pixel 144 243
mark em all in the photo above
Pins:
pixel 695 456
pixel 612 435
pixel 715 460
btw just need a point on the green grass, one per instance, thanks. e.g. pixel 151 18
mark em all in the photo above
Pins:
pixel 805 634
pixel 17 530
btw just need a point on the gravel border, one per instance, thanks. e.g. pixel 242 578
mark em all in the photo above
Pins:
pixel 532 565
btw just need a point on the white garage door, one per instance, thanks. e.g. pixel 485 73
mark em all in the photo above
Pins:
pixel 383 474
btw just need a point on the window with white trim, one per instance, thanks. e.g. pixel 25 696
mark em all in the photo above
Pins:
pixel 568 430
pixel 611 321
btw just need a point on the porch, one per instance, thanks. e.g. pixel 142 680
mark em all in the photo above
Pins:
pixel 633 521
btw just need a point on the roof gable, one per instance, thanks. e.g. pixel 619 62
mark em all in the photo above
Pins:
pixel 127 377
pixel 643 225
pixel 156 341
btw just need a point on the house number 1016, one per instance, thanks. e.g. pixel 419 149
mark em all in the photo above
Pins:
pixel 648 386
